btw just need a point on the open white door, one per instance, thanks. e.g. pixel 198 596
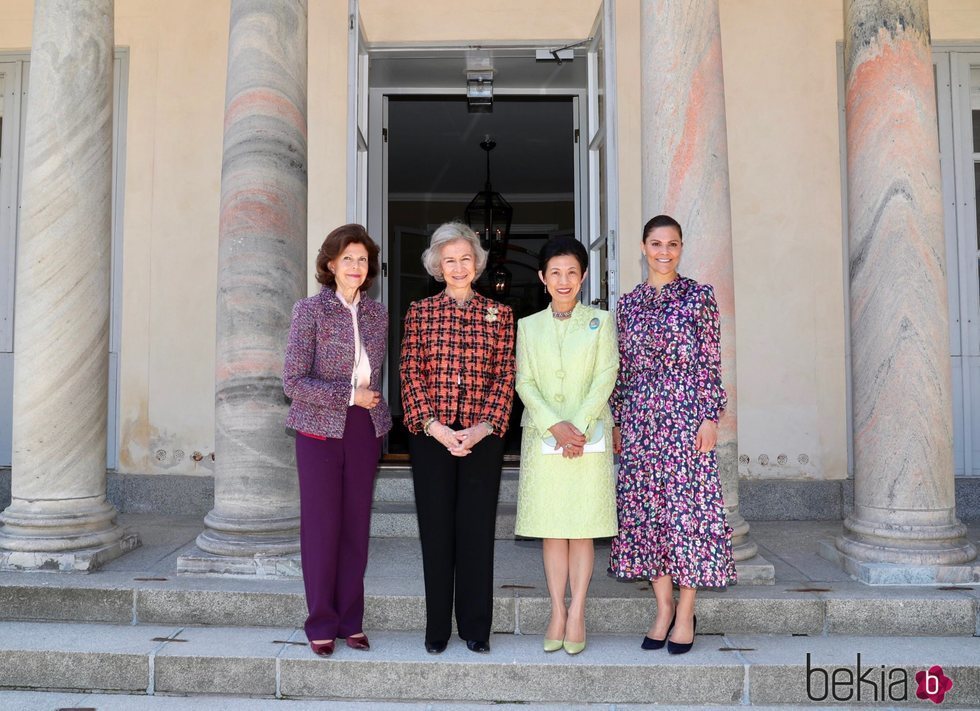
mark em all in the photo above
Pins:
pixel 602 161
pixel 357 117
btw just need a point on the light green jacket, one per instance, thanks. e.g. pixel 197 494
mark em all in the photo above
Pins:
pixel 570 379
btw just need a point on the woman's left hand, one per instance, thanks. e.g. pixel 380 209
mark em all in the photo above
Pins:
pixel 707 436
pixel 471 436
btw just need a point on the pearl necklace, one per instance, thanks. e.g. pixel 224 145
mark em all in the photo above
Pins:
pixel 563 314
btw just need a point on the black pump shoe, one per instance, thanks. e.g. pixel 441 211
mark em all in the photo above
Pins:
pixel 675 648
pixel 651 643
pixel 435 647
pixel 478 645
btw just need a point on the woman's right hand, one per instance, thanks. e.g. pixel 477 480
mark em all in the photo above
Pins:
pixel 617 439
pixel 567 435
pixel 446 436
pixel 366 398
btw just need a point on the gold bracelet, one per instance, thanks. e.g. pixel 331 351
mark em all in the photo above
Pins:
pixel 426 425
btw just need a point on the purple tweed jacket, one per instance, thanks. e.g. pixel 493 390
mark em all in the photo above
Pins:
pixel 319 360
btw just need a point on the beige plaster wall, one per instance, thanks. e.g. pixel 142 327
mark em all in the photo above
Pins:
pixel 954 20
pixel 173 171
pixel 783 137
pixel 397 21
pixel 177 57
pixel 16 21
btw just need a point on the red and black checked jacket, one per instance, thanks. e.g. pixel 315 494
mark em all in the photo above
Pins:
pixel 458 362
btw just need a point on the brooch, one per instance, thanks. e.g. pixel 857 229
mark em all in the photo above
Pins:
pixel 594 324
pixel 492 312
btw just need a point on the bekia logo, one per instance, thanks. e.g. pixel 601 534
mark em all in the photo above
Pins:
pixel 874 683
pixel 933 684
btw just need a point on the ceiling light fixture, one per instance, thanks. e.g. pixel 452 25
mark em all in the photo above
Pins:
pixel 479 90
pixel 490 216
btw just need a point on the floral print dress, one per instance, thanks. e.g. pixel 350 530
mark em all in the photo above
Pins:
pixel 671 511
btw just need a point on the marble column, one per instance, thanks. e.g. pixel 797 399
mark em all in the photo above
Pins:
pixel 904 508
pixel 685 175
pixel 58 518
pixel 261 274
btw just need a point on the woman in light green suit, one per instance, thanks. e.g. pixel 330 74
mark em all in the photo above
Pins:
pixel 567 361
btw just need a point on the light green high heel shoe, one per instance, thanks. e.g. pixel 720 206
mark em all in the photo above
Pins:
pixel 553 645
pixel 573 647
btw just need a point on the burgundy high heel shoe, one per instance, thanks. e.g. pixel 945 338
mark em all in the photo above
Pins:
pixel 322 649
pixel 360 642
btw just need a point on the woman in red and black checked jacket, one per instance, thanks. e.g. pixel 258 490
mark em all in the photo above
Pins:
pixel 457 373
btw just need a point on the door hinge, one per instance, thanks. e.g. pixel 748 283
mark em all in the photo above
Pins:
pixel 350 23
pixel 384 134
pixel 577 132
pixel 384 269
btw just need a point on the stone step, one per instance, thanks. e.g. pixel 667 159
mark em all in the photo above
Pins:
pixel 521 606
pixel 48 700
pixel 398 520
pixel 394 485
pixel 276 662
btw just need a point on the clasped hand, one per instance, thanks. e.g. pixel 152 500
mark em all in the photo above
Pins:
pixel 568 438
pixel 458 442
pixel 366 398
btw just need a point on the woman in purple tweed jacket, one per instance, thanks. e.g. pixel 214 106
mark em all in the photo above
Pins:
pixel 332 373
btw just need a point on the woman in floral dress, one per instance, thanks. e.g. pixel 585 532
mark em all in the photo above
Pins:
pixel 666 404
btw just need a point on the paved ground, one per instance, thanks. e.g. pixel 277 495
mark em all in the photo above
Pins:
pixel 846 616
pixel 791 546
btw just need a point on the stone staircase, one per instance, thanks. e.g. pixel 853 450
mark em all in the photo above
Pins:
pixel 136 628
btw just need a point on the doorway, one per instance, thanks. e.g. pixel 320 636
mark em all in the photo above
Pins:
pixel 435 166
pixel 415 161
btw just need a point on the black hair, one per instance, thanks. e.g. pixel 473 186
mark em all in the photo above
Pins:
pixel 560 246
pixel 661 221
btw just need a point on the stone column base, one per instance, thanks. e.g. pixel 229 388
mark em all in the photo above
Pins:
pixel 899 573
pixel 83 560
pixel 755 571
pixel 198 562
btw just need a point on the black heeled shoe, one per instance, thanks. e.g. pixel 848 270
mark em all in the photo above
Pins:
pixel 436 647
pixel 651 643
pixel 478 645
pixel 675 648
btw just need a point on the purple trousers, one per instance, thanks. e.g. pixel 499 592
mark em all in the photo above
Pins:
pixel 336 485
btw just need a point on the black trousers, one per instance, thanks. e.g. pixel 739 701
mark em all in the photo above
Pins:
pixel 456 500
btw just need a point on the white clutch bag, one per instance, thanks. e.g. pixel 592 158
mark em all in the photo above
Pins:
pixel 596 443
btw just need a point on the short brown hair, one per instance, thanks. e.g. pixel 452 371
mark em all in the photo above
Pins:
pixel 335 243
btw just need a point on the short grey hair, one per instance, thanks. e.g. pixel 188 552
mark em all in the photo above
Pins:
pixel 444 234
